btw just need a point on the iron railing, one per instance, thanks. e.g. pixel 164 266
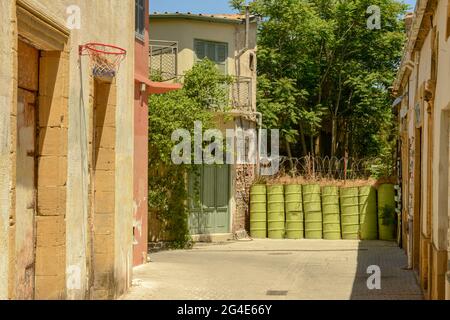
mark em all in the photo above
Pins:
pixel 242 94
pixel 163 60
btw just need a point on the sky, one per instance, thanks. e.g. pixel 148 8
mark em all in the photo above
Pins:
pixel 203 6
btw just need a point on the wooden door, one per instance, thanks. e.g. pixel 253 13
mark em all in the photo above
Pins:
pixel 25 195
pixel 25 237
pixel 209 198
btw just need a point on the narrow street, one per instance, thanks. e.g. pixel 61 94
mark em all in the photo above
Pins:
pixel 275 269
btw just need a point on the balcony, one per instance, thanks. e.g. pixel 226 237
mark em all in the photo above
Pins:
pixel 242 94
pixel 163 60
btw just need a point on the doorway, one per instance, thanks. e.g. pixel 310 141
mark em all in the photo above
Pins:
pixel 25 235
pixel 209 194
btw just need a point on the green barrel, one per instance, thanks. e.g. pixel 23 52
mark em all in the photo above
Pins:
pixel 368 213
pixel 386 212
pixel 258 212
pixel 312 207
pixel 294 211
pixel 349 213
pixel 331 213
pixel 275 212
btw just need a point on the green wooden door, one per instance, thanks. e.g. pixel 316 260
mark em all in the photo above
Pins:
pixel 209 197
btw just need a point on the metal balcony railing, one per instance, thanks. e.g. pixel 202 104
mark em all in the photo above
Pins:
pixel 163 60
pixel 236 98
pixel 242 94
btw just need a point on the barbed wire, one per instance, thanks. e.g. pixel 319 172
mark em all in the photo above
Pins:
pixel 334 168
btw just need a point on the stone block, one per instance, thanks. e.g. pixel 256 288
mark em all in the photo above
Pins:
pixel 105 137
pixel 105 180
pixel 50 231
pixel 105 159
pixel 104 202
pixel 53 141
pixel 52 171
pixel 50 261
pixel 50 287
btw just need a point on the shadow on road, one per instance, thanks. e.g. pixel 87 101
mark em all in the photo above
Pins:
pixel 381 273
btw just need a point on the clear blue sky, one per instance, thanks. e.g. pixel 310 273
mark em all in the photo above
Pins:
pixel 194 6
pixel 202 6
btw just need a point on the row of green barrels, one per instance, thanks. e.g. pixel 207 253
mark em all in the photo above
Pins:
pixel 312 212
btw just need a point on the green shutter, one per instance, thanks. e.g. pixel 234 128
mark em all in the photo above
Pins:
pixel 214 51
pixel 212 216
pixel 199 49
pixel 222 53
pixel 211 51
pixel 222 218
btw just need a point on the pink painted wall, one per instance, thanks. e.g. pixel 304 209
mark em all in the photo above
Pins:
pixel 140 217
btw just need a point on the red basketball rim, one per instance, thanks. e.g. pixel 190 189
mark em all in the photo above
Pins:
pixel 94 47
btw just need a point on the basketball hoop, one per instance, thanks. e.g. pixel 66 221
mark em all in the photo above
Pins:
pixel 105 59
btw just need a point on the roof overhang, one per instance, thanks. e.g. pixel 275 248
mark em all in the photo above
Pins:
pixel 154 87
pixel 162 87
pixel 201 17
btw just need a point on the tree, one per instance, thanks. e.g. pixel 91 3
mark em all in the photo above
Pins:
pixel 336 69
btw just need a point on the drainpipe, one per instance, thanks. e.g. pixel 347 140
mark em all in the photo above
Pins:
pixel 259 118
pixel 247 26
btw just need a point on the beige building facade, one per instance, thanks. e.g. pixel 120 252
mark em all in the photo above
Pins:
pixel 66 141
pixel 229 41
pixel 424 114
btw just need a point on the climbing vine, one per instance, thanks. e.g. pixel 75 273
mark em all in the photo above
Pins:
pixel 205 89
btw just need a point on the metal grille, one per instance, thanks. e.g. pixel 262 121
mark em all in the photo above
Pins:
pixel 241 94
pixel 163 60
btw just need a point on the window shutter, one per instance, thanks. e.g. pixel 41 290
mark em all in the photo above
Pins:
pixel 211 51
pixel 200 49
pixel 221 53
pixel 136 16
pixel 142 15
pixel 216 52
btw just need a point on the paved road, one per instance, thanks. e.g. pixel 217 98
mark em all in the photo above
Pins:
pixel 275 269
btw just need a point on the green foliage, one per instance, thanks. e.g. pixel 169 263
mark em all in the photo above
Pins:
pixel 237 4
pixel 207 87
pixel 318 63
pixel 178 110
pixel 388 216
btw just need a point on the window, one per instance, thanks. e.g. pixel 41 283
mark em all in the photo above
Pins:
pixel 139 22
pixel 217 52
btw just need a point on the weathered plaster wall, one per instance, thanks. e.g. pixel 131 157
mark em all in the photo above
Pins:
pixel 140 219
pixel 185 31
pixel 434 246
pixel 441 138
pixel 440 219
pixel 7 94
pixel 109 21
